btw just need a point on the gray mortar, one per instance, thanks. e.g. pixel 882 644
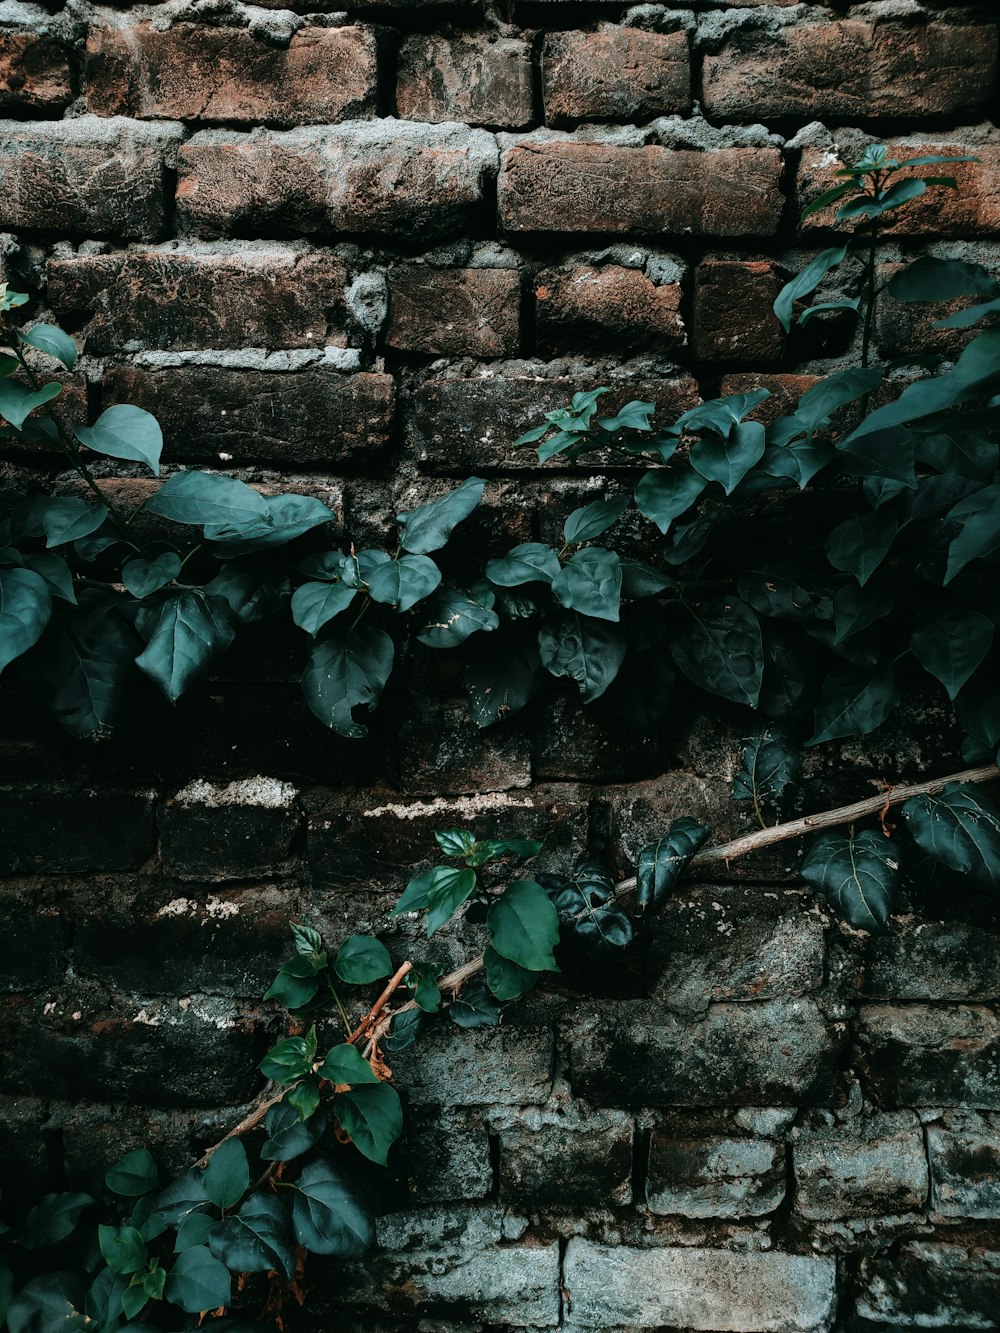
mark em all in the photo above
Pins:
pixel 368 302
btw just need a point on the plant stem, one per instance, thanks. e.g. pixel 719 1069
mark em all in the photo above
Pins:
pixel 866 337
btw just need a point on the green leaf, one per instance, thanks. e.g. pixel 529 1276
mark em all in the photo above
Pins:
pixel 252 588
pixel 128 432
pixel 818 404
pixel 287 1060
pixel 585 905
pixel 857 874
pixel 47 338
pixel 960 827
pixel 474 1008
pixel 853 703
pixel 297 982
pixel 227 1176
pixel 404 1029
pixel 593 519
pixel 633 416
pixel 315 604
pixel 929 279
pixel 47 1304
pixel 807 281
pixel 785 592
pixel 590 582
pixel 860 544
pixel 183 1197
pixel 304 1098
pixel 491 848
pixel 198 1281
pixel 329 1215
pixel 952 646
pixel 25 608
pixel 123 1248
pixel 402 583
pixel 978 521
pixel 288 1136
pixel 17 402
pixel 771 762
pixel 964 319
pixel 133 1175
pixel 67 517
pixel 506 979
pixel 345 1064
pixel 206 498
pixel 642 580
pixel 194 1230
pixel 829 308
pixel 429 527
pixel 728 461
pixel 447 890
pixel 721 650
pixel 524 926
pixel 103 1302
pixel 143 576
pixel 451 616
pixel 662 863
pixel 826 198
pixel 501 681
pixel 531 562
pixel 455 842
pixel 373 1117
pixel 347 670
pixel 664 494
pixel 258 1239
pixel 588 652
pixel 185 634
pixel 54 1218
pixel 855 608
pixel 362 959
pixel 287 517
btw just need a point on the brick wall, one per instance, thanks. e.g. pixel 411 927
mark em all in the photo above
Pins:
pixel 355 254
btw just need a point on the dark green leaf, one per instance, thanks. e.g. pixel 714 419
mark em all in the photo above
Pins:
pixel 447 890
pixel 451 616
pixel 818 404
pixel 227 1176
pixel 297 982
pixel 143 576
pixel 133 1175
pixel 128 432
pixel 952 646
pixel 491 848
pixel 182 1197
pixel 25 608
pixel 47 1304
pixel 287 1060
pixel 505 978
pixel 857 874
pixel 593 519
pixel 195 1230
pixel 772 761
pixel 362 959
pixel 402 583
pixel 664 494
pixel 978 521
pixel 805 282
pixel 590 582
pixel 826 198
pixel 929 279
pixel 47 338
pixel 54 1218
pixel 185 634
pixel 429 527
pixel 347 670
pixel 585 905
pixel 17 402
pixel 720 650
pixel 303 1098
pixel 830 308
pixel 329 1216
pixel 633 416
pixel 103 1302
pixel 373 1118
pixel 286 517
pixel 345 1064
pixel 524 927
pixel 855 608
pixel 308 940
pixel 728 460
pixel 288 1136
pixel 404 1029
pixel 959 827
pixel 315 604
pixel 588 652
pixel 785 592
pixel 474 1008
pixel 455 842
pixel 258 1239
pixel 198 1281
pixel 853 703
pixel 964 319
pixel 662 863
pixel 501 681
pixel 642 580
pixel 66 518
pixel 205 497
pixel 123 1248
pixel 860 544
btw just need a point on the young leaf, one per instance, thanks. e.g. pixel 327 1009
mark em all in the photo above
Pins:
pixel 362 959
pixel 198 1281
pixel 772 761
pixel 123 1248
pixel 590 582
pixel 586 651
pixel 133 1175
pixel 853 703
pixel 185 634
pixel 451 616
pixel 329 1216
pixel 455 842
pixel 227 1176
pixel 593 519
pixel 952 646
pixel 805 282
pixel 429 527
pixel 447 891
pixel 721 650
pixel 662 863
pixel 345 1064
pixel 524 926
pixel 303 1098
pixel 205 497
pixel 373 1117
pixel 258 1239
pixel 857 874
pixel 25 608
pixel 287 1060
pixel 288 1136
pixel 124 431
pixel 347 670
pixel 960 827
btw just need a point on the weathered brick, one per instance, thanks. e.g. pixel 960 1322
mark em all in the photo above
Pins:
pixel 563 186
pixel 455 312
pixel 920 1055
pixel 199 72
pixel 852 68
pixel 971 210
pixel 443 752
pixel 615 74
pixel 733 315
pixel 695 1288
pixel 35 939
pixel 714 1176
pixel 774 1053
pixel 35 70
pixel 570 741
pixel 785 391
pixel 864 1167
pixel 167 298
pixel 61 828
pixel 302 418
pixel 478 79
pixel 932 1285
pixel 580 307
pixel 964 1152
pixel 932 960
pixel 459 422
pixel 88 175
pixel 243 830
pixel 447 1155
pixel 906 328
pixel 365 176
pixel 577 1157
pixel 500 1066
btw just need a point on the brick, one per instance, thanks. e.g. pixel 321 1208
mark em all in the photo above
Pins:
pixel 570 741
pixel 932 960
pixel 90 176
pixel 580 308
pixel 167 298
pixel 501 1066
pixel 865 1167
pixel 35 942
pixel 36 75
pixel 785 391
pixel 60 828
pixel 302 418
pixel 383 176
pixel 243 830
pixel 455 312
pixel 695 1288
pixel 774 1053
pixel 198 72
pixel 478 79
pixel 548 1158
pixel 443 752
pixel 25 1165
pixel 615 74
pixel 906 328
pixel 563 186
pixel 923 1055
pixel 447 1155
pixel 971 210
pixel 932 1285
pixel 852 68
pixel 964 1152
pixel 733 316
pixel 714 1176
pixel 459 422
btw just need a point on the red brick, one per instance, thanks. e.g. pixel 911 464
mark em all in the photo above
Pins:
pixel 383 176
pixel 973 209
pixel 580 308
pixel 193 71
pixel 581 187
pixel 852 68
pixel 90 176
pixel 733 319
pixel 466 78
pixel 35 72
pixel 615 74
pixel 785 390
pixel 455 312
pixel 297 419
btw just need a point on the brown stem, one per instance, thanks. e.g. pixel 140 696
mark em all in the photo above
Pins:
pixel 249 1122
pixel 379 1004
